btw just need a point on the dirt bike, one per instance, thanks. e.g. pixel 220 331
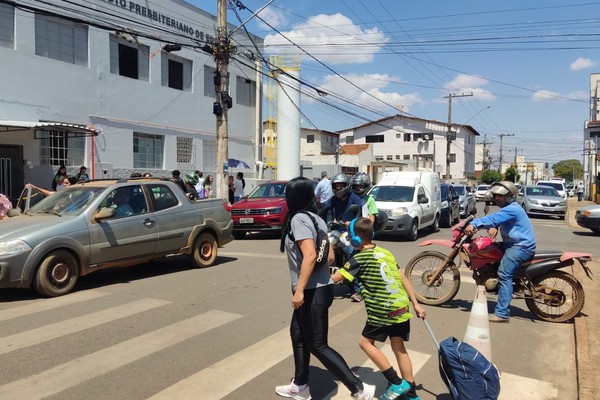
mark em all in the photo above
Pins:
pixel 552 295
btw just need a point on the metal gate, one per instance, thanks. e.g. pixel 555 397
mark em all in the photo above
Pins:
pixel 11 171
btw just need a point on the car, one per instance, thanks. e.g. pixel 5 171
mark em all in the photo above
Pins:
pixel 542 200
pixel 466 200
pixel 264 209
pixel 556 184
pixel 589 217
pixel 450 210
pixel 94 225
pixel 481 192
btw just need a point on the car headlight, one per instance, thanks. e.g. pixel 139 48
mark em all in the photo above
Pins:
pixel 396 212
pixel 276 210
pixel 445 204
pixel 562 203
pixel 533 201
pixel 11 247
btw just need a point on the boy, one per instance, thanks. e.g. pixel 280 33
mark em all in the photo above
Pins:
pixel 387 293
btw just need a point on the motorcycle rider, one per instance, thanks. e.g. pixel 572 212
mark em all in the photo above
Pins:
pixel 518 240
pixel 343 198
pixel 360 184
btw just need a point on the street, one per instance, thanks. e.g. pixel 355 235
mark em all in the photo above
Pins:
pixel 165 330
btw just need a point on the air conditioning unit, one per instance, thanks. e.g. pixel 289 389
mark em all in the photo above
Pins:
pixel 427 136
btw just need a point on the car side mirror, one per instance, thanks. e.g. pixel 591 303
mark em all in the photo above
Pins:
pixel 423 200
pixel 104 213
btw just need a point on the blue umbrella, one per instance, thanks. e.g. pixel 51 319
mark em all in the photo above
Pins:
pixel 234 163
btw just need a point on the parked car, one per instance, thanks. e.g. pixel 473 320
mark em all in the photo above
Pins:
pixel 556 184
pixel 104 224
pixel 450 205
pixel 589 217
pixel 466 200
pixel 542 200
pixel 481 192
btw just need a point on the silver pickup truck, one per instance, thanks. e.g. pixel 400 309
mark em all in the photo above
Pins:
pixel 101 224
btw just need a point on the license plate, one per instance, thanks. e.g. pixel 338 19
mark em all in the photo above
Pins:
pixel 550 209
pixel 246 220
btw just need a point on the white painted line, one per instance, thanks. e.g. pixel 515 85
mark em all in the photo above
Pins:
pixel 217 381
pixel 260 255
pixel 519 387
pixel 82 369
pixel 49 304
pixel 59 329
pixel 369 373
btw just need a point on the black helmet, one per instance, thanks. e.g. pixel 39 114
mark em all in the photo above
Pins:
pixel 360 179
pixel 341 178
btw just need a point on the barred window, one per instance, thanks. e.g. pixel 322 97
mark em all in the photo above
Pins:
pixel 184 150
pixel 61 40
pixel 57 148
pixel 7 26
pixel 148 150
pixel 209 155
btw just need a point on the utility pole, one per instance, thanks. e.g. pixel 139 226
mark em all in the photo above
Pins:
pixel 485 157
pixel 502 137
pixel 449 135
pixel 222 50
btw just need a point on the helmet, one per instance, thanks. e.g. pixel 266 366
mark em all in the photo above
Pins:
pixel 504 188
pixel 191 179
pixel 341 178
pixel 360 179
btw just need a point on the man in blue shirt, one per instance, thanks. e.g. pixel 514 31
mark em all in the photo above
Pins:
pixel 518 239
pixel 324 193
pixel 343 198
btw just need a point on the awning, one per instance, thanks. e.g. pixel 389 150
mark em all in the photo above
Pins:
pixel 70 129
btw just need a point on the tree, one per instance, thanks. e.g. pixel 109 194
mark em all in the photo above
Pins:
pixel 490 176
pixel 570 170
pixel 511 175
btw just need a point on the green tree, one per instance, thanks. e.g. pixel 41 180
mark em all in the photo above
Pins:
pixel 568 169
pixel 490 176
pixel 512 175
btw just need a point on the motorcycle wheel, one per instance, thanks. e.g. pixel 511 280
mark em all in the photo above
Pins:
pixel 558 297
pixel 443 289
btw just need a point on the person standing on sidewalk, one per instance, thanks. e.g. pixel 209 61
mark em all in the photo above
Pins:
pixel 324 193
pixel 580 190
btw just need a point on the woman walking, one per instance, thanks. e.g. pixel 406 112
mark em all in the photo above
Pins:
pixel 312 295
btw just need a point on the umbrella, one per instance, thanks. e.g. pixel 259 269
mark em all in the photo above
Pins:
pixel 233 163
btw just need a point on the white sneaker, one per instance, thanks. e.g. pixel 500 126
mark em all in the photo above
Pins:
pixel 293 391
pixel 368 392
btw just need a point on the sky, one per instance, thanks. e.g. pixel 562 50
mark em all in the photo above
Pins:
pixel 526 64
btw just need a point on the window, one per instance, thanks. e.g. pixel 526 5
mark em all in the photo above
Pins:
pixel 310 138
pixel 184 150
pixel 406 157
pixel 407 137
pixel 7 26
pixel 452 157
pixel 389 158
pixel 245 91
pixel 58 148
pixel 209 81
pixel 148 150
pixel 399 135
pixel 61 40
pixel 209 155
pixel 397 156
pixel 162 197
pixel 176 72
pixel 378 158
pixel 128 59
pixel 416 136
pixel 349 139
pixel 374 139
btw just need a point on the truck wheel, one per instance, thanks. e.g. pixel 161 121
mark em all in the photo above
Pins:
pixel 204 251
pixel 414 231
pixel 57 274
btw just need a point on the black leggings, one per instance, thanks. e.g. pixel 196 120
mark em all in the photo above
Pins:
pixel 308 330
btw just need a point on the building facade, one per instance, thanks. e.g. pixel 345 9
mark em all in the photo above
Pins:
pixel 118 87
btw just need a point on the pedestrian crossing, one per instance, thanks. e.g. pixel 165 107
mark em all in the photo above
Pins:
pixel 223 376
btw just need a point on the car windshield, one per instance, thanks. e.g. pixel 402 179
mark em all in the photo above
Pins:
pixel 67 201
pixel 541 191
pixel 483 187
pixel 268 190
pixel 460 190
pixel 555 185
pixel 392 193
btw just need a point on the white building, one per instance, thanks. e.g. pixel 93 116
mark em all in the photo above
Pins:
pixel 102 67
pixel 424 141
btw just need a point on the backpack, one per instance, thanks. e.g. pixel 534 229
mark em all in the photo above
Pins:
pixel 322 243
pixel 468 374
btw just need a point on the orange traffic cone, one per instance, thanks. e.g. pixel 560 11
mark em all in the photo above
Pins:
pixel 478 329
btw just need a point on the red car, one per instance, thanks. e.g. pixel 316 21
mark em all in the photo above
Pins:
pixel 264 209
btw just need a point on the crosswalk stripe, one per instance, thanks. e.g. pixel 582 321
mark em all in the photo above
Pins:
pixel 520 387
pixel 58 329
pixel 216 381
pixel 49 304
pixel 74 372
pixel 369 373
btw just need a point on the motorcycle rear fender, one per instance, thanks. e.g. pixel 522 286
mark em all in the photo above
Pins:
pixel 447 243
pixel 539 268
pixel 571 254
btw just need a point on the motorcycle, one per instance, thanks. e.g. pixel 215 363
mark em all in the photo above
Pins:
pixel 552 295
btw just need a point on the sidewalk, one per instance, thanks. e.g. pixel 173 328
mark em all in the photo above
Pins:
pixel 587 323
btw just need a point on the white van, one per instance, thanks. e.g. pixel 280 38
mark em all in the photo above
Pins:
pixel 411 200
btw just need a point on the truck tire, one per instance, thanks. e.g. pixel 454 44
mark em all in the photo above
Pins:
pixel 57 274
pixel 204 250
pixel 414 231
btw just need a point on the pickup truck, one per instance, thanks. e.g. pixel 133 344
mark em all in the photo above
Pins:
pixel 102 224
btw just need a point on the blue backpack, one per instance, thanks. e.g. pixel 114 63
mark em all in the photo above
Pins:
pixel 466 372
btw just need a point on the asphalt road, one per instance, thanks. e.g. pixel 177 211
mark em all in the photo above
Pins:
pixel 167 331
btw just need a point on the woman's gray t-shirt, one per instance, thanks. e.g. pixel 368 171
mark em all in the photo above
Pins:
pixel 303 228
